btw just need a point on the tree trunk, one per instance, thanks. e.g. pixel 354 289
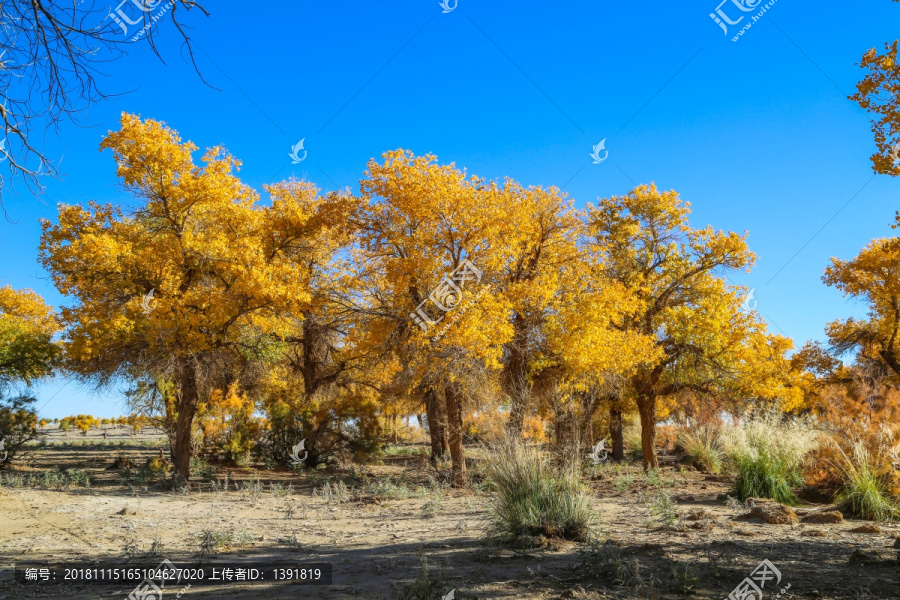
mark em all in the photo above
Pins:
pixel 435 425
pixel 567 446
pixel 616 427
pixel 187 406
pixel 514 379
pixel 647 410
pixel 459 478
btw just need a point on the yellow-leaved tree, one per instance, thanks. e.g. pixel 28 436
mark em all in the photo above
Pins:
pixel 705 342
pixel 430 240
pixel 873 276
pixel 191 283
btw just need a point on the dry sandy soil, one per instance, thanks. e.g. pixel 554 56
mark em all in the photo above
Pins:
pixel 377 538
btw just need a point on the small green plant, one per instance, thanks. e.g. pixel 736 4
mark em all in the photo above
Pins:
pixel 623 481
pixel 703 447
pixel 684 576
pixel 535 497
pixel 432 506
pixel 385 489
pixel 864 492
pixel 424 587
pixel 768 451
pixel 333 493
pixel 654 477
pixel 201 468
pixel 662 508
pixel 601 559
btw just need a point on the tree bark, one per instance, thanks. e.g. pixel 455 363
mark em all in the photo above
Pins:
pixel 566 427
pixel 616 427
pixel 514 379
pixel 435 425
pixel 458 475
pixel 187 406
pixel 647 410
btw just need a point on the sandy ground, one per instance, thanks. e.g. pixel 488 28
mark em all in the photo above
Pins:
pixel 376 544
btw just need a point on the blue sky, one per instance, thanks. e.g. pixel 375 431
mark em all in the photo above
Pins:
pixel 757 134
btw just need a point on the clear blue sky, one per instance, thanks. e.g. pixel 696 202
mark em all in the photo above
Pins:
pixel 757 134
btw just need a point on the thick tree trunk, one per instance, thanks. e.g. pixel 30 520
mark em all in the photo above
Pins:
pixel 459 477
pixel 589 403
pixel 435 425
pixel 566 434
pixel 616 427
pixel 187 406
pixel 647 410
pixel 514 378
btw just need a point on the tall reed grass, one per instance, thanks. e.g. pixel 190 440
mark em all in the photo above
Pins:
pixel 767 451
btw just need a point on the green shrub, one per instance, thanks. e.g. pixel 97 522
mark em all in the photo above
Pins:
pixel 864 492
pixel 533 497
pixel 767 451
pixel 703 447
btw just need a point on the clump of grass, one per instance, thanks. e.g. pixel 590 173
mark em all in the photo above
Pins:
pixel 703 447
pixel 767 451
pixel 536 498
pixel 864 492
pixel 631 438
